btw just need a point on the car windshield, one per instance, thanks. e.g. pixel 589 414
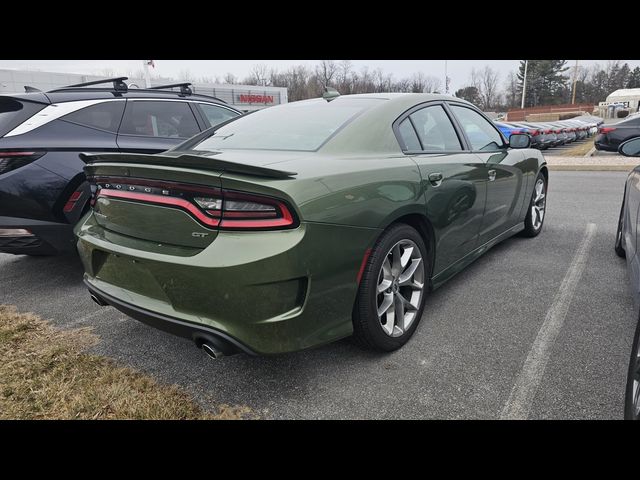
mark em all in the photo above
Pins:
pixel 295 126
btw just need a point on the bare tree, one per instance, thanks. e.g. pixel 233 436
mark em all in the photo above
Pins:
pixel 230 78
pixel 258 75
pixel 486 82
pixel 326 72
pixel 432 84
pixel 344 76
pixel 186 76
pixel 418 82
pixel 512 92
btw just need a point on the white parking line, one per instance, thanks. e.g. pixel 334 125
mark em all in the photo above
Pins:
pixel 527 382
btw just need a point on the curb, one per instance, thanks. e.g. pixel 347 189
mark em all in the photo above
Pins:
pixel 593 168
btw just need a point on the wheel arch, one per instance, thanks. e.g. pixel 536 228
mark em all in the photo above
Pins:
pixel 423 226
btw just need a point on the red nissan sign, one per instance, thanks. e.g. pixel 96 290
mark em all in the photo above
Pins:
pixel 256 98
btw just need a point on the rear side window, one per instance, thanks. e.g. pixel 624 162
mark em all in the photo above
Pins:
pixel 482 135
pixel 103 116
pixel 13 112
pixel 409 136
pixel 435 129
pixel 215 115
pixel 159 119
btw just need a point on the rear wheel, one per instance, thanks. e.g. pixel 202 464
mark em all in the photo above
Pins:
pixel 619 248
pixel 537 208
pixel 632 397
pixel 390 299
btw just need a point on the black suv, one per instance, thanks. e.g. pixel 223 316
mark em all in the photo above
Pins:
pixel 43 192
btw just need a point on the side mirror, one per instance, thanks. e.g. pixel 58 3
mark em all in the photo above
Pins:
pixel 519 140
pixel 630 148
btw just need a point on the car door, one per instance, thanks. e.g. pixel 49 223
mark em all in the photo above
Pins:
pixel 503 168
pixel 151 126
pixel 453 179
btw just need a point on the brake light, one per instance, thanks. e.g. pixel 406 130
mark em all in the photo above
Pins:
pixel 71 203
pixel 211 206
pixel 238 210
pixel 535 133
pixel 12 160
pixel 606 129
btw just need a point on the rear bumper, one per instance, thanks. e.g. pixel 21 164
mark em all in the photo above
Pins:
pixel 49 238
pixel 272 291
pixel 196 332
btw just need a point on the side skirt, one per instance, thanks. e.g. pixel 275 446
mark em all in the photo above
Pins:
pixel 461 264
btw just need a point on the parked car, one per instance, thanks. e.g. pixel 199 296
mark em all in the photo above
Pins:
pixel 610 136
pixel 537 139
pixel 507 129
pixel 626 246
pixel 544 137
pixel 307 222
pixel 43 191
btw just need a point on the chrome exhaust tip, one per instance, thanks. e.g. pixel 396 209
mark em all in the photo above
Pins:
pixel 212 351
pixel 98 300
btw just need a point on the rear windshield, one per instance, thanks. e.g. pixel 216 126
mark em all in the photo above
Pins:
pixel 295 126
pixel 13 112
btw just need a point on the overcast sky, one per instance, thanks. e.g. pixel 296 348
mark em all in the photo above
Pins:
pixel 458 70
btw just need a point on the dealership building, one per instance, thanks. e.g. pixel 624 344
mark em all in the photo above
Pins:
pixel 243 97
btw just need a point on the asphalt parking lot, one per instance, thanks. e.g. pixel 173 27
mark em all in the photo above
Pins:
pixel 473 345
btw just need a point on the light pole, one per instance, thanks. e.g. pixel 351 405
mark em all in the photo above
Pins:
pixel 575 81
pixel 446 79
pixel 524 82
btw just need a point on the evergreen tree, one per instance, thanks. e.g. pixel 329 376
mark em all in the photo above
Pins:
pixel 547 83
pixel 470 94
pixel 634 78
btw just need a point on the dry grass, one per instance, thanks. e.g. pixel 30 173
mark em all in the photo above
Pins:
pixel 578 150
pixel 45 373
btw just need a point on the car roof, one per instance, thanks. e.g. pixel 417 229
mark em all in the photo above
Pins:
pixel 82 93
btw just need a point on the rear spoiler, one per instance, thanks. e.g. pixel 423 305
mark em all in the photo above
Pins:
pixel 198 162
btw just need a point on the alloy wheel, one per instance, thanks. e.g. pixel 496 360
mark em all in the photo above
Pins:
pixel 400 288
pixel 538 206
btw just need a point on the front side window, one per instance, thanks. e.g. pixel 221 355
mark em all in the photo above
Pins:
pixel 159 119
pixel 435 129
pixel 103 116
pixel 481 134
pixel 215 115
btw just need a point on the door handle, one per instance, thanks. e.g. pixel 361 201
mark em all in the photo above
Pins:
pixel 435 179
pixel 492 175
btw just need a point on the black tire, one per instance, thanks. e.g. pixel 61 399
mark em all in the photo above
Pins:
pixel 619 247
pixel 530 229
pixel 631 411
pixel 367 329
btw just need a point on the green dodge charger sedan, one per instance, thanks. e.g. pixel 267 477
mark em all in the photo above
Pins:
pixel 307 222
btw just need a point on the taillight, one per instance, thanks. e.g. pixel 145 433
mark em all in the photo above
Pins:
pixel 71 203
pixel 606 129
pixel 212 206
pixel 12 160
pixel 238 210
pixel 535 133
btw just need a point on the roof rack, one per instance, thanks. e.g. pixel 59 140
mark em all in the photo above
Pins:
pixel 118 84
pixel 184 87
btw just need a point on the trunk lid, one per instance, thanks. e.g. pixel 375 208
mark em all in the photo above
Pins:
pixel 173 198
